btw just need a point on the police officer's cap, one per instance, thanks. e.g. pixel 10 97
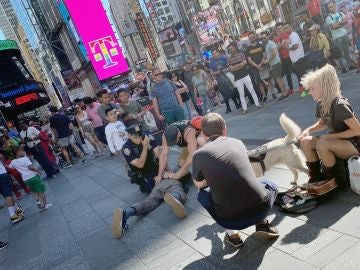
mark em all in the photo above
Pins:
pixel 134 130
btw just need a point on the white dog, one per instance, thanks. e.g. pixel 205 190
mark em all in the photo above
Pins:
pixel 290 155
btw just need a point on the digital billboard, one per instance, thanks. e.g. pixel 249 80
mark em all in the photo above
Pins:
pixel 98 37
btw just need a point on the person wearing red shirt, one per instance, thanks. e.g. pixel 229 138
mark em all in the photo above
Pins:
pixel 284 54
pixel 314 8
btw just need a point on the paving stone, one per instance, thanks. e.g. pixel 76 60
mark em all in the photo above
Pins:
pixel 127 261
pixel 194 262
pixel 86 225
pixel 57 248
pixel 325 238
pixel 76 262
pixel 106 206
pixel 349 260
pixel 332 251
pixel 279 260
pixel 111 249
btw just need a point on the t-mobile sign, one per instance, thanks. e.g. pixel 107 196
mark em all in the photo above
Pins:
pixel 98 37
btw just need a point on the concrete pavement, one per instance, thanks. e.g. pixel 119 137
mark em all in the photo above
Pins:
pixel 75 233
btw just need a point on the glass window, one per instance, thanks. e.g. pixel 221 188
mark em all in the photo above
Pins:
pixel 15 72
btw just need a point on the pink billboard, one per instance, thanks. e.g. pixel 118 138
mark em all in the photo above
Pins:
pixel 98 37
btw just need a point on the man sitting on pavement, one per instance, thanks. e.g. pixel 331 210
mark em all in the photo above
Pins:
pixel 141 153
pixel 228 187
pixel 182 134
pixel 168 190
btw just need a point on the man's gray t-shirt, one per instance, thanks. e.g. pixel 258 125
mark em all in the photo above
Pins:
pixel 235 190
pixel 101 111
pixel 164 92
pixel 270 45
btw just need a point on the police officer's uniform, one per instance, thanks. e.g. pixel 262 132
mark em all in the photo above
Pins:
pixel 144 177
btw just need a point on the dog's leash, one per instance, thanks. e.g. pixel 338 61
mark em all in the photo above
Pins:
pixel 258 154
pixel 263 149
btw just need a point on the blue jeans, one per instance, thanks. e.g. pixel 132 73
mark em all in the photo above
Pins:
pixel 205 199
pixel 187 109
pixel 40 156
pixel 207 103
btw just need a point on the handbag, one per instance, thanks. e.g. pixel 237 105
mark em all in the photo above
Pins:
pixel 354 173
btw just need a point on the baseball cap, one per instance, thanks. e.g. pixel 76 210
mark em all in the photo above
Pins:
pixel 170 134
pixel 134 129
pixel 314 27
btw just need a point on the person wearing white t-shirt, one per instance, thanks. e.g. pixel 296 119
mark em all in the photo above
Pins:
pixel 31 177
pixel 296 53
pixel 116 135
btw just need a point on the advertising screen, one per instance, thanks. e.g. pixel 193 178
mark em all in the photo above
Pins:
pixel 98 37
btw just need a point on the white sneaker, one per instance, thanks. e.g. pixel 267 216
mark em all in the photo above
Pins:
pixel 47 206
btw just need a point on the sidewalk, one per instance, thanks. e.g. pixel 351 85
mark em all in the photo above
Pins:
pixel 75 233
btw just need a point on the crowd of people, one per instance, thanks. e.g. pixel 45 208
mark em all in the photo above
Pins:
pixel 221 172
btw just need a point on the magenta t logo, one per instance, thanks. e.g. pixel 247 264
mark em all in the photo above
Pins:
pixel 99 39
pixel 104 53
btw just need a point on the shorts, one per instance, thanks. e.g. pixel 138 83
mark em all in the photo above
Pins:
pixel 264 74
pixel 276 70
pixel 35 184
pixel 67 141
pixel 5 185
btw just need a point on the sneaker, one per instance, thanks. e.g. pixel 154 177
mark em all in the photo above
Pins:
pixel 234 240
pixel 16 218
pixel 274 96
pixel 47 206
pixel 84 160
pixel 177 207
pixel 244 112
pixel 282 97
pixel 119 223
pixel 260 106
pixel 301 88
pixel 19 211
pixel 3 245
pixel 266 231
pixel 352 67
pixel 305 93
pixel 291 91
pixel 67 165
pixel 344 70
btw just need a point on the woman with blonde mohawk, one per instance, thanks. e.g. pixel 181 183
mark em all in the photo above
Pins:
pixel 335 114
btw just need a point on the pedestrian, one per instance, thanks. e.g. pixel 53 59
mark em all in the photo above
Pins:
pixel 239 67
pixel 133 112
pixel 218 68
pixel 314 8
pixel 297 55
pixel 184 135
pixel 115 132
pixel 16 214
pixel 255 53
pixel 356 34
pixel 228 187
pixel 92 107
pixel 87 130
pixel 319 47
pixel 334 113
pixel 186 77
pixel 31 137
pixel 200 84
pixel 184 93
pixel 141 153
pixel 283 48
pixel 168 190
pixel 61 126
pixel 337 22
pixel 166 99
pixel 273 60
pixel 31 177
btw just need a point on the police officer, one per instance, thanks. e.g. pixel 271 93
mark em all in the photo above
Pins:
pixel 141 153
pixel 182 134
